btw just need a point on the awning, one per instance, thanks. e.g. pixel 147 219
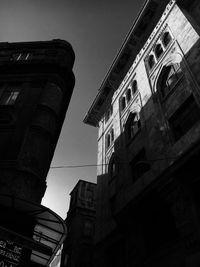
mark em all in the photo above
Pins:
pixel 49 231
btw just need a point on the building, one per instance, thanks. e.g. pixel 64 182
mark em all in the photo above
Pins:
pixel 36 83
pixel 78 246
pixel 148 115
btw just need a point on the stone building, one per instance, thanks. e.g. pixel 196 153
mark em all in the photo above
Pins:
pixel 148 115
pixel 78 246
pixel 36 83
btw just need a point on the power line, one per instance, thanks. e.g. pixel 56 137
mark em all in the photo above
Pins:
pixel 105 164
pixel 76 166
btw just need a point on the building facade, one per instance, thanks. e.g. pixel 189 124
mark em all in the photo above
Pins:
pixel 148 115
pixel 79 244
pixel 36 83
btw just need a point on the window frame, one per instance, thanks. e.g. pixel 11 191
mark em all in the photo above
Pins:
pixel 132 122
pixel 109 138
pixel 168 73
pixel 9 93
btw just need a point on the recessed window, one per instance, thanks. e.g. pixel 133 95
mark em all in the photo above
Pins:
pixel 158 50
pixel 108 114
pixel 128 95
pixel 9 94
pixel 151 61
pixel 184 118
pixel 21 56
pixel 132 126
pixel 169 77
pixel 139 165
pixel 88 228
pixel 123 103
pixel 110 138
pixel 112 167
pixel 166 39
pixel 134 86
pixel 112 135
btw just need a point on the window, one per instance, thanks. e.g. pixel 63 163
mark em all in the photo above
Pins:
pixel 139 165
pixel 184 118
pixel 112 135
pixel 151 61
pixel 9 94
pixel 169 77
pixel 110 138
pixel 88 228
pixel 128 95
pixel 112 167
pixel 134 86
pixel 108 114
pixel 123 103
pixel 158 50
pixel 132 126
pixel 166 39
pixel 21 56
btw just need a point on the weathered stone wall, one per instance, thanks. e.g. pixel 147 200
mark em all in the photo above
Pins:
pixel 155 134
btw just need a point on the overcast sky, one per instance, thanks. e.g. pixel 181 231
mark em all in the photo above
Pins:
pixel 96 30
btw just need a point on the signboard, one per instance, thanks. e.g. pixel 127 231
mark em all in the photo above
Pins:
pixel 10 254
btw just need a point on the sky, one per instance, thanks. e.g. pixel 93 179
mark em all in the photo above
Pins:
pixel 96 29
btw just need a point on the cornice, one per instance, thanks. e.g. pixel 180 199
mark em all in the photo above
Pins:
pixel 116 78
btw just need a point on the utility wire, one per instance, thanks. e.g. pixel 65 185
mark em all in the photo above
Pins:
pixel 104 164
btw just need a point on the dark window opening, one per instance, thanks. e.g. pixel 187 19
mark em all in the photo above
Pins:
pixel 134 86
pixel 151 61
pixel 9 93
pixel 166 39
pixel 108 114
pixel 158 50
pixel 21 56
pixel 132 126
pixel 184 118
pixel 123 103
pixel 128 95
pixel 112 135
pixel 88 228
pixel 108 140
pixel 112 167
pixel 170 77
pixel 139 165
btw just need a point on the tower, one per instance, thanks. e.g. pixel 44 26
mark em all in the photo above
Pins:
pixel 36 83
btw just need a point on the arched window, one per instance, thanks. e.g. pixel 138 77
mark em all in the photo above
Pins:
pixel 139 165
pixel 123 103
pixel 108 114
pixel 128 95
pixel 158 50
pixel 113 167
pixel 151 61
pixel 132 126
pixel 108 140
pixel 166 39
pixel 169 77
pixel 112 135
pixel 134 86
